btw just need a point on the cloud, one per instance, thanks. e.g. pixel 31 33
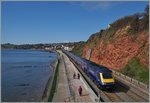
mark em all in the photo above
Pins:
pixel 65 41
pixel 103 5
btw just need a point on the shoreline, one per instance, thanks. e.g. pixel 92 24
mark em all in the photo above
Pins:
pixel 48 87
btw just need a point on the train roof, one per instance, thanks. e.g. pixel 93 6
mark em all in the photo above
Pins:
pixel 93 66
pixel 96 67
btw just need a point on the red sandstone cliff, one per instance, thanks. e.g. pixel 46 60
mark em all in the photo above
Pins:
pixel 125 39
pixel 116 54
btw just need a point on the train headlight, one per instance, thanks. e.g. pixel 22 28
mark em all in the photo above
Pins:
pixel 103 83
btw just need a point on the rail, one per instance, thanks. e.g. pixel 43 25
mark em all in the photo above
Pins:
pixel 131 80
pixel 135 86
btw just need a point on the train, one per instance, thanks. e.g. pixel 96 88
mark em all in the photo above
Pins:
pixel 100 75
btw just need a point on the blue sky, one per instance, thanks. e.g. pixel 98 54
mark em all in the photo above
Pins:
pixel 52 22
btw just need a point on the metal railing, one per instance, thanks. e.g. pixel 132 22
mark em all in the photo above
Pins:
pixel 131 80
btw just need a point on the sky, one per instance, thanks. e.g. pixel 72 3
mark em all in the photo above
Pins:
pixel 28 22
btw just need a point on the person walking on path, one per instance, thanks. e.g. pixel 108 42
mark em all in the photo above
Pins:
pixel 78 76
pixel 80 90
pixel 74 75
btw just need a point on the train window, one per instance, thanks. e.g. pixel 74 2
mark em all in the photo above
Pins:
pixel 94 64
pixel 97 75
pixel 107 75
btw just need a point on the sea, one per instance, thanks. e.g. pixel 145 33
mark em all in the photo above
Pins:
pixel 24 74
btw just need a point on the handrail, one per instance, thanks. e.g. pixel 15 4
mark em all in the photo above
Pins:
pixel 131 80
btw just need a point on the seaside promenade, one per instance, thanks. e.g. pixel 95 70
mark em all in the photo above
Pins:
pixel 67 86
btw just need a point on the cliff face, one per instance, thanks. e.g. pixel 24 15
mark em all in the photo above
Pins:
pixel 116 54
pixel 125 39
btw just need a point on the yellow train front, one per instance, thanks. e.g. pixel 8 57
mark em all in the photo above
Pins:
pixel 107 80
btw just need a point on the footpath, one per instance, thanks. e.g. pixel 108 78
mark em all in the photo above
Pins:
pixel 67 85
pixel 62 90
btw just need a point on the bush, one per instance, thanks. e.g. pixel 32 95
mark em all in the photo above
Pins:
pixel 136 70
pixel 134 25
pixel 78 49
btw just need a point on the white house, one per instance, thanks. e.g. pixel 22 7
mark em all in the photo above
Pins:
pixel 67 48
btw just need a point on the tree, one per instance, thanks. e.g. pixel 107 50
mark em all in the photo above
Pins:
pixel 135 25
pixel 145 21
pixel 147 10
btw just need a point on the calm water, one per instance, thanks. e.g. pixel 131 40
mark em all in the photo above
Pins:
pixel 25 74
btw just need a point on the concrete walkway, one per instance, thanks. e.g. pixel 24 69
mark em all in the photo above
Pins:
pixel 62 91
pixel 67 86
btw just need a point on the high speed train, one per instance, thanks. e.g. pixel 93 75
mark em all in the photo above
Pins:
pixel 101 75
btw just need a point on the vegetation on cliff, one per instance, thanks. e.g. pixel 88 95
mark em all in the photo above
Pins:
pixel 78 48
pixel 136 70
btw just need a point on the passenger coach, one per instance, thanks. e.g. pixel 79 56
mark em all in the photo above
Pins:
pixel 100 75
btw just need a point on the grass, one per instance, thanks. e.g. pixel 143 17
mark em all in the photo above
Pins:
pixel 53 88
pixel 136 70
pixel 79 53
pixel 144 77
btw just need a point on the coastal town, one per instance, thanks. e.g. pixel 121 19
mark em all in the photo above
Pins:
pixel 51 46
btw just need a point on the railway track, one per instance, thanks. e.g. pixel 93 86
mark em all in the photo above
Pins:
pixel 130 93
pixel 118 94
pixel 113 97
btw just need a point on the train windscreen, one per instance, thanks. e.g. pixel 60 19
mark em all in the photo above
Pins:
pixel 107 75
